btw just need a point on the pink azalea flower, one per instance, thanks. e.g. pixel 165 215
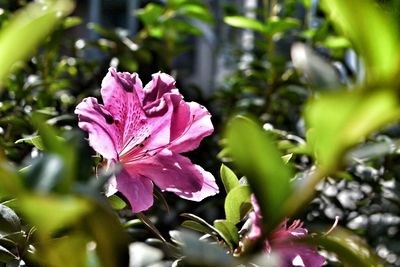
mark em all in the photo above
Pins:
pixel 145 130
pixel 291 254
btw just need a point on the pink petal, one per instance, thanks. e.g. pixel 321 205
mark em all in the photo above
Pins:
pixel 136 188
pixel 289 252
pixel 120 96
pixel 104 137
pixel 209 187
pixel 199 127
pixel 175 173
pixel 181 117
pixel 160 84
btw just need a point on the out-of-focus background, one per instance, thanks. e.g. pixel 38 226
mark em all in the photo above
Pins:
pixel 259 57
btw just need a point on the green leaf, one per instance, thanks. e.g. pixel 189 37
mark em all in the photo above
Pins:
pixel 333 130
pixel 193 225
pixel 375 38
pixel 9 220
pixel 49 213
pixel 201 253
pixel 10 182
pixel 68 251
pixel 116 202
pixel 235 203
pixel 27 29
pixel 71 22
pixel 111 241
pixel 256 155
pixel 278 25
pixel 195 11
pixel 150 14
pixel 229 230
pixel 35 140
pixel 287 158
pixel 228 177
pixel 245 23
pixel 349 248
pixel 211 230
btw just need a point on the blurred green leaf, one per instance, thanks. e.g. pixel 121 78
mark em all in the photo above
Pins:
pixel 195 11
pixel 245 23
pixel 64 149
pixel 334 130
pixel 116 202
pixel 10 182
pixel 111 241
pixel 255 153
pixel 229 230
pixel 33 140
pixel 287 158
pixel 150 14
pixel 71 22
pixel 228 177
pixel 237 203
pixel 372 31
pixel 68 251
pixel 49 213
pixel 27 29
pixel 336 42
pixel 277 25
pixel 348 247
pixel 45 173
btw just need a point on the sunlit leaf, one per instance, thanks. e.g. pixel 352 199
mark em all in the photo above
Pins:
pixel 372 31
pixel 334 130
pixel 260 161
pixel 229 230
pixel 229 178
pixel 195 11
pixel 245 23
pixel 237 203
pixel 71 22
pixel 27 29
pixel 33 140
pixel 116 202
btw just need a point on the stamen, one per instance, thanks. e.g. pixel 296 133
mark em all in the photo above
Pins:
pixel 139 146
pixel 333 226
